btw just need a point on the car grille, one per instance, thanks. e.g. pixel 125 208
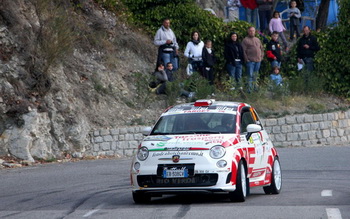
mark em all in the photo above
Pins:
pixel 196 180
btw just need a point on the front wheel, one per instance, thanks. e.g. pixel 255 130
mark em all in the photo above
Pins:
pixel 276 179
pixel 141 198
pixel 241 191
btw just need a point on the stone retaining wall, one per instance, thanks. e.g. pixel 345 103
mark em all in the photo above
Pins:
pixel 297 130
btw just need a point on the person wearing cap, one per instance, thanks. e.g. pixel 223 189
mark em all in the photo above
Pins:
pixel 233 53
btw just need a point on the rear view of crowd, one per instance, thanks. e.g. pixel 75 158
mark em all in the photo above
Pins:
pixel 240 52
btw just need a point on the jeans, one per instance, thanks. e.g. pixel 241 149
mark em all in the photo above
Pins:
pixel 283 37
pixel 197 66
pixel 252 72
pixel 235 71
pixel 264 19
pixel 309 63
pixel 170 57
pixel 251 15
pixel 293 28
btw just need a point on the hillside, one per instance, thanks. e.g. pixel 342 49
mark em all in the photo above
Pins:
pixel 65 70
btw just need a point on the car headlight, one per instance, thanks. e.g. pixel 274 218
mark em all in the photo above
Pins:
pixel 142 154
pixel 217 152
pixel 221 163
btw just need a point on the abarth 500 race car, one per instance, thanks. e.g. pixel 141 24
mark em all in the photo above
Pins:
pixel 205 146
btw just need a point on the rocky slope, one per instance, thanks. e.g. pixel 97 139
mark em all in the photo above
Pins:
pixel 66 67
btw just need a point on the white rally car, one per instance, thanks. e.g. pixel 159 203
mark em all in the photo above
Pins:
pixel 206 146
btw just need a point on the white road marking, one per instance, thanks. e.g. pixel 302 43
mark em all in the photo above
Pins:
pixel 333 213
pixel 326 193
pixel 91 213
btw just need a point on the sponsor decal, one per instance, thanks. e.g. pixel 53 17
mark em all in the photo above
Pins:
pixel 167 153
pixel 157 138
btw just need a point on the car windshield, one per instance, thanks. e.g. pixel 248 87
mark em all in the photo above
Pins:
pixel 195 123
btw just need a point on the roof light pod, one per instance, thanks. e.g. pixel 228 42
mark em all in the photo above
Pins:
pixel 204 102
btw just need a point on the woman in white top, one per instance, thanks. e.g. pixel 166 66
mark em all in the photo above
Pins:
pixel 194 50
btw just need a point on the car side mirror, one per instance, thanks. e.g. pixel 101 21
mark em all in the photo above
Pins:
pixel 252 128
pixel 146 130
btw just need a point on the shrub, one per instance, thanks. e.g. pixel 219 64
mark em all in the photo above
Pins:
pixel 333 58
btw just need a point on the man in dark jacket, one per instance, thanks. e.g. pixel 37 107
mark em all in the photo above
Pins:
pixel 307 48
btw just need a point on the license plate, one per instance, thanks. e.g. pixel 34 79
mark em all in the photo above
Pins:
pixel 175 173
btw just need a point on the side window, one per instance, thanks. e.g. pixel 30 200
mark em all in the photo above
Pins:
pixel 246 119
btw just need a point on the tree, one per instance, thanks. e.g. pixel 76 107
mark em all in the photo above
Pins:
pixel 322 15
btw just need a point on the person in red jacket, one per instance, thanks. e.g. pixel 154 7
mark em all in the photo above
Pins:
pixel 251 10
pixel 274 53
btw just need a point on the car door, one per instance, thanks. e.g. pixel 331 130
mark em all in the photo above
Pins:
pixel 256 152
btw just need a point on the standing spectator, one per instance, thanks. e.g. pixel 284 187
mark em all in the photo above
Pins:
pixel 265 11
pixel 274 53
pixel 307 47
pixel 194 50
pixel 294 15
pixel 232 10
pixel 209 60
pixel 276 77
pixel 253 52
pixel 277 25
pixel 233 53
pixel 251 10
pixel 168 47
pixel 169 71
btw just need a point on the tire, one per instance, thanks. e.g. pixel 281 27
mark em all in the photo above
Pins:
pixel 276 179
pixel 141 198
pixel 242 185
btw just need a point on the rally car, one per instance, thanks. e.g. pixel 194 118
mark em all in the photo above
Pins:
pixel 205 146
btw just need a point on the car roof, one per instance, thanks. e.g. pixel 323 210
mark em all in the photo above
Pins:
pixel 208 106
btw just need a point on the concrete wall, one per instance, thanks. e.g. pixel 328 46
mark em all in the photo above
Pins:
pixel 296 130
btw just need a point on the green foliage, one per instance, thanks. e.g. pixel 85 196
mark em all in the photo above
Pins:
pixel 333 58
pixel 185 17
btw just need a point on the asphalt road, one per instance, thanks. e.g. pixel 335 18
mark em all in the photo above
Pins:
pixel 316 184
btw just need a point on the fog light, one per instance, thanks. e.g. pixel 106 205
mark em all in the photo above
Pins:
pixel 221 163
pixel 137 166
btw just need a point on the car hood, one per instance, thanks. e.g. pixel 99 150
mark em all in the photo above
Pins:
pixel 188 142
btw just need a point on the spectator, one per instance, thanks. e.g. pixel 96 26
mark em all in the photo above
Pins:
pixel 300 5
pixel 159 86
pixel 209 60
pixel 277 25
pixel 265 11
pixel 169 71
pixel 161 78
pixel 294 15
pixel 274 53
pixel 251 10
pixel 276 77
pixel 193 52
pixel 168 47
pixel 232 10
pixel 307 47
pixel 233 53
pixel 253 52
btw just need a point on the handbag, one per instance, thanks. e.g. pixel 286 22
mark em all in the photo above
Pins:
pixel 189 69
